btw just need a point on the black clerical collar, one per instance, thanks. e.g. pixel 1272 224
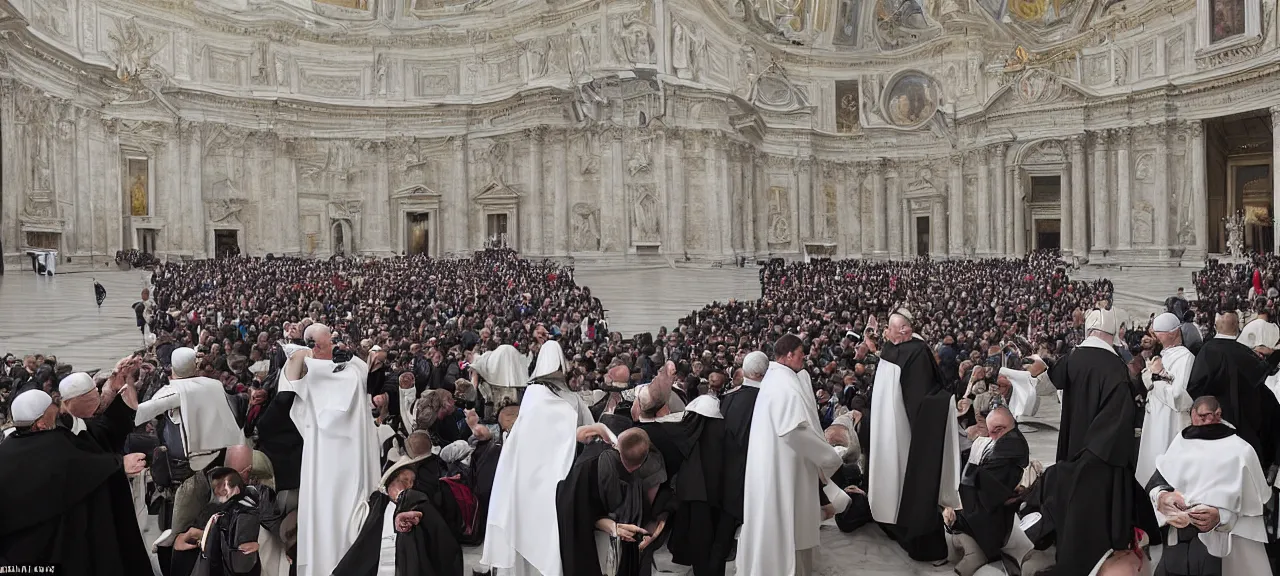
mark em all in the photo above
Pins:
pixel 1208 432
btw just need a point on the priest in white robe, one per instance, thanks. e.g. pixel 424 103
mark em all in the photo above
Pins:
pixel 340 451
pixel 522 536
pixel 787 459
pixel 1210 490
pixel 1023 384
pixel 198 409
pixel 499 375
pixel 1168 404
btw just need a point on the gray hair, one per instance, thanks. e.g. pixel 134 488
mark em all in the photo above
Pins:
pixel 755 365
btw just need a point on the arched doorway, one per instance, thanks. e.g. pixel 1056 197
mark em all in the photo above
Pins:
pixel 340 237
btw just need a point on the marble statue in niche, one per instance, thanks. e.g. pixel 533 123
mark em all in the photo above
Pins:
pixel 688 48
pixel 830 212
pixel 846 106
pixel 41 169
pixel 139 186
pixel 779 222
pixel 645 214
pixel 641 157
pixel 586 228
pixel 901 23
pixel 846 28
pixel 1142 222
pixel 634 43
pixel 1226 19
pixel 911 100
pixel 132 51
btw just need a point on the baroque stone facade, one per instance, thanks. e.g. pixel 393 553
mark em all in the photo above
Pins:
pixel 700 129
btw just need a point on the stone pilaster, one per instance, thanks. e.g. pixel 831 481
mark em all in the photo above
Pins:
pixel 1019 211
pixel 532 206
pixel 1199 189
pixel 458 202
pixel 986 219
pixel 1079 230
pixel 1001 207
pixel 1275 156
pixel 1101 198
pixel 1124 197
pixel 955 206
pixel 879 214
pixel 1162 191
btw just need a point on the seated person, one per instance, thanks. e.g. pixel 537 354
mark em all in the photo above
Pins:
pixel 400 532
pixel 988 492
pixel 229 540
pixel 849 477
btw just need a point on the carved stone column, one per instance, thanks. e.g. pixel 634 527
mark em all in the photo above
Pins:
pixel 746 170
pixel 1001 207
pixel 955 206
pixel 1124 199
pixel 1199 189
pixel 878 200
pixel 1275 190
pixel 1019 212
pixel 1079 230
pixel 1065 219
pixel 286 183
pixel 1004 223
pixel 804 193
pixel 723 203
pixel 986 219
pixel 532 206
pixel 675 194
pixel 938 218
pixel 616 207
pixel 560 190
pixel 850 200
pixel 1101 215
pixel 458 203
pixel 1162 190
pixel 893 211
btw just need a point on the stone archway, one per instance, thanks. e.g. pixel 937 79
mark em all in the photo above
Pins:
pixel 340 237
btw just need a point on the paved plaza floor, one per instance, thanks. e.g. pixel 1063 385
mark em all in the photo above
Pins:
pixel 41 314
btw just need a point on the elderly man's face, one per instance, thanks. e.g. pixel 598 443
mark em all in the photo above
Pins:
pixel 84 405
pixel 999 423
pixel 1202 416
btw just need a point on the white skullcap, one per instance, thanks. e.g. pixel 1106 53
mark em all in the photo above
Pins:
pixel 29 406
pixel 1166 322
pixel 1100 320
pixel 74 385
pixel 755 363
pixel 183 361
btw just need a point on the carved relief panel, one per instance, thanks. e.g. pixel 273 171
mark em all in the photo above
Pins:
pixel 1143 210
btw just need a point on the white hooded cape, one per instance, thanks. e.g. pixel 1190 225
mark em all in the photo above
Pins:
pixel 781 510
pixel 339 458
pixel 502 373
pixel 1259 332
pixel 1224 474
pixel 1168 410
pixel 522 526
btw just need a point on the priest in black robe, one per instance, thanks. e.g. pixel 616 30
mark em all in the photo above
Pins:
pixel 906 497
pixel 988 489
pixel 697 521
pixel 65 501
pixel 421 543
pixel 1235 375
pixel 613 492
pixel 737 407
pixel 1091 497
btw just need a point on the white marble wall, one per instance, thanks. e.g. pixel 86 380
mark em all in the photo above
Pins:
pixel 613 131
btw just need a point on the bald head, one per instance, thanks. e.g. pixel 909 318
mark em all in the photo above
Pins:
pixel 183 361
pixel 240 459
pixel 1227 324
pixel 999 422
pixel 418 444
pixel 755 365
pixel 323 338
pixel 619 375
pixel 899 329
pixel 633 446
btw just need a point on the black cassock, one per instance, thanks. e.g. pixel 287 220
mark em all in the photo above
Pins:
pixel 985 490
pixel 737 407
pixel 697 529
pixel 597 487
pixel 67 502
pixel 928 404
pixel 1232 373
pixel 427 550
pixel 1091 498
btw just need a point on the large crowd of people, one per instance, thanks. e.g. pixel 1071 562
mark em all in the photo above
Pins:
pixel 376 416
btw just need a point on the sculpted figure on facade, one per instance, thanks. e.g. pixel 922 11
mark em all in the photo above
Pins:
pixel 132 50
pixel 779 215
pixel 645 214
pixel 586 228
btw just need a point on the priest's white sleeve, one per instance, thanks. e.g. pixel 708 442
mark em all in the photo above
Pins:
pixel 165 400
pixel 812 447
pixel 1023 400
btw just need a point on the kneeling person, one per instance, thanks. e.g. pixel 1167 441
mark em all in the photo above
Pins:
pixel 987 490
pixel 400 532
